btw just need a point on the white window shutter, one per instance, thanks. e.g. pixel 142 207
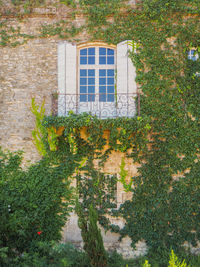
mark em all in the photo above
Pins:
pixel 67 81
pixel 126 85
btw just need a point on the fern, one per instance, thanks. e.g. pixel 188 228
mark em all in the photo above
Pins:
pixel 174 262
pixel 146 264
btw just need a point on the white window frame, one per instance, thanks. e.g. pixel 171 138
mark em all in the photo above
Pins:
pixel 95 66
pixel 68 79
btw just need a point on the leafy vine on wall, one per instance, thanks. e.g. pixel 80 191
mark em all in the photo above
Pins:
pixel 164 207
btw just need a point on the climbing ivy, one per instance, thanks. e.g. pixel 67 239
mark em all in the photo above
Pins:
pixel 165 140
pixel 82 141
pixel 164 207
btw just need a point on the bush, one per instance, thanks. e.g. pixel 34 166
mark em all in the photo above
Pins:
pixel 50 254
pixel 34 203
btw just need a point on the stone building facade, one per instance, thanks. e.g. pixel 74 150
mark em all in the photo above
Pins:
pixel 31 70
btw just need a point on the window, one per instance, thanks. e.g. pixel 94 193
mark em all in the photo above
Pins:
pixel 96 78
pixel 193 55
pixel 96 74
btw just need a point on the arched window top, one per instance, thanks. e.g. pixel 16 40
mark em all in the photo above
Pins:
pixel 94 44
pixel 96 55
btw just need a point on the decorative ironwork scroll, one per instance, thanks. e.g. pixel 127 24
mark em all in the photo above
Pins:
pixel 124 105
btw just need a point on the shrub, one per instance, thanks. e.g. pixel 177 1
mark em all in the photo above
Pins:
pixel 50 254
pixel 34 203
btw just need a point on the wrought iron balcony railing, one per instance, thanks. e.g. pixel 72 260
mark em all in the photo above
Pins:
pixel 102 105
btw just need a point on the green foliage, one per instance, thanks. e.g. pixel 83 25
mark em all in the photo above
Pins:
pixel 97 189
pixel 98 11
pixel 34 203
pixel 52 254
pixel 63 29
pixel 174 262
pixel 91 234
pixel 146 264
pixel 27 4
pixel 78 153
pixel 123 133
pixel 161 205
pixel 165 140
pixel 71 3
pixel 123 175
pixel 40 131
pixel 12 36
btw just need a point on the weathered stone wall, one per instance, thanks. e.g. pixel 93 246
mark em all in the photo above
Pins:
pixel 28 71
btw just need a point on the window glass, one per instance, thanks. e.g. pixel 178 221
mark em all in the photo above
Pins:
pixel 87 56
pixel 106 56
pixel 87 85
pixel 96 74
pixel 106 85
pixel 193 55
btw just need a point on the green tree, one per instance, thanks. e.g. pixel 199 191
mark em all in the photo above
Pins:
pixel 91 234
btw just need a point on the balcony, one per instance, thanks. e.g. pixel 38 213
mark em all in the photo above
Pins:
pixel 120 105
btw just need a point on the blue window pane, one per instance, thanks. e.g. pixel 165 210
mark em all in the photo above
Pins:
pixel 83 89
pixel 102 97
pixel 91 72
pixel 110 80
pixel 110 60
pixel 83 60
pixel 192 52
pixel 83 98
pixel 91 81
pixel 91 51
pixel 110 98
pixel 102 51
pixel 83 81
pixel 110 72
pixel 102 81
pixel 83 52
pixel 102 89
pixel 83 73
pixel 91 60
pixel 91 98
pixel 110 89
pixel 102 60
pixel 102 72
pixel 91 89
pixel 192 55
pixel 110 52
